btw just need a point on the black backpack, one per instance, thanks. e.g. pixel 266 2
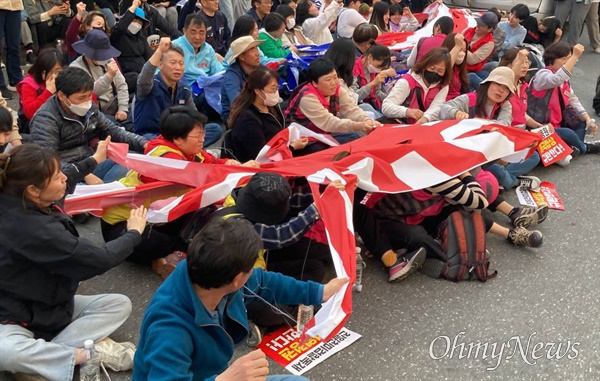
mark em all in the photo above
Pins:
pixel 463 241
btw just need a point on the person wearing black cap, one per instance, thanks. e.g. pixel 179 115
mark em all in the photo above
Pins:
pixel 480 47
pixel 97 59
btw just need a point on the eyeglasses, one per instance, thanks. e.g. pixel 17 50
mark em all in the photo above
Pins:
pixel 200 136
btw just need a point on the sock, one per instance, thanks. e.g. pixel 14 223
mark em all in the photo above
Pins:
pixel 510 234
pixel 512 212
pixel 389 258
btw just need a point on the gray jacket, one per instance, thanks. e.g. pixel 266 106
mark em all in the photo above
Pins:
pixel 73 137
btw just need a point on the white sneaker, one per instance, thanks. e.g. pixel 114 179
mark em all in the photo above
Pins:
pixel 115 356
pixel 11 88
pixel 596 50
pixel 565 162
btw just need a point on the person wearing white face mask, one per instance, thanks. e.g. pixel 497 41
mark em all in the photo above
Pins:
pixel 97 58
pixel 455 43
pixel 255 116
pixel 71 124
pixel 293 34
pixel 371 70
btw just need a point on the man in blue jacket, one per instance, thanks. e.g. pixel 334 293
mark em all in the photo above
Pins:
pixel 157 92
pixel 199 313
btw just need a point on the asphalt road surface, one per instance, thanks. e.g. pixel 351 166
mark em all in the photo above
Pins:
pixel 548 296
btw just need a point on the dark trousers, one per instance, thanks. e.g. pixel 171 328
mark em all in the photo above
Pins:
pixel 158 241
pixel 49 33
pixel 10 31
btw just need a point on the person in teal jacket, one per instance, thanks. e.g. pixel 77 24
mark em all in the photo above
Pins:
pixel 200 57
pixel 274 27
pixel 198 314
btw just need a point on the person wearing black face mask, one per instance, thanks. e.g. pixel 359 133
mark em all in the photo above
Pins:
pixel 418 96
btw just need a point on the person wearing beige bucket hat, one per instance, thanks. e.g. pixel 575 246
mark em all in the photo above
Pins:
pixel 489 102
pixel 244 59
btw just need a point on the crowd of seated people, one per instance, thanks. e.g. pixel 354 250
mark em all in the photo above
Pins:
pixel 132 73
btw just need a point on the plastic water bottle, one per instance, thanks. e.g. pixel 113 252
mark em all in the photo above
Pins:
pixel 589 131
pixel 360 265
pixel 305 313
pixel 90 370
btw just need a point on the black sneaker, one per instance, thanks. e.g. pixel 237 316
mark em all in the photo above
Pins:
pixel 576 152
pixel 593 148
pixel 525 238
pixel 524 216
pixel 30 57
pixel 255 335
pixel 6 94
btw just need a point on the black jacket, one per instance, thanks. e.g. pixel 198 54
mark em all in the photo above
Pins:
pixel 73 137
pixel 43 259
pixel 251 130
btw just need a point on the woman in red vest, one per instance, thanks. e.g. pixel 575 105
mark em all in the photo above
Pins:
pixel 418 95
pixel 320 104
pixel 460 81
pixel 481 46
pixel 442 27
pixel 370 73
pixel 38 86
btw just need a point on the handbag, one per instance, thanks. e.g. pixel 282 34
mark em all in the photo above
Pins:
pixel 570 117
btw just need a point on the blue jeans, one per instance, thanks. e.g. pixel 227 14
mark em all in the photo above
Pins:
pixel 95 317
pixel 507 176
pixel 347 137
pixel 213 134
pixel 476 78
pixel 109 171
pixel 573 138
pixel 286 377
pixel 10 30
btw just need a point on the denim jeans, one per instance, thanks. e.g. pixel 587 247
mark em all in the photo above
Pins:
pixel 109 171
pixel 286 377
pixel 476 78
pixel 10 31
pixel 573 138
pixel 95 317
pixel 507 176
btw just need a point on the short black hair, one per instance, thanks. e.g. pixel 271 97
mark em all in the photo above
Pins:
pixel 446 24
pixel 273 21
pixel 176 122
pixel 557 50
pixel 364 32
pixel 73 80
pixel 6 120
pixel 521 11
pixel 348 2
pixel 318 68
pixel 195 18
pixel 380 53
pixel 243 27
pixel 222 250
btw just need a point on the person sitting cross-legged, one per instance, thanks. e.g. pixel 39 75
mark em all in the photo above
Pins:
pixel 197 315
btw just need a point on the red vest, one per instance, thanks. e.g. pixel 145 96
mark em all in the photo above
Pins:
pixel 543 105
pixel 472 112
pixel 361 73
pixel 469 34
pixel 519 106
pixel 416 90
pixel 455 87
pixel 294 114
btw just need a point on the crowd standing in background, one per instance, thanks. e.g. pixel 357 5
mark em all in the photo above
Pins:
pixel 140 72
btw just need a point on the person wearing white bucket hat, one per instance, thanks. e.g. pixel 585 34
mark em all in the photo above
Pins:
pixel 489 102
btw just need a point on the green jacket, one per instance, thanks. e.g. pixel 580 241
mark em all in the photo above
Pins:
pixel 271 48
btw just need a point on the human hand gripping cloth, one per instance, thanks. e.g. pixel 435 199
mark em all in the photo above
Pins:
pixel 391 159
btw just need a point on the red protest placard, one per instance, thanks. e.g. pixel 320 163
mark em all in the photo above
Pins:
pixel 284 346
pixel 546 196
pixel 553 149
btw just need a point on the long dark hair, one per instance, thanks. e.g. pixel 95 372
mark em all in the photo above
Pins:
pixel 44 64
pixel 551 24
pixel 379 10
pixel 481 102
pixel 302 12
pixel 257 80
pixel 243 27
pixel 432 57
pixel 25 165
pixel 341 53
pixel 462 68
